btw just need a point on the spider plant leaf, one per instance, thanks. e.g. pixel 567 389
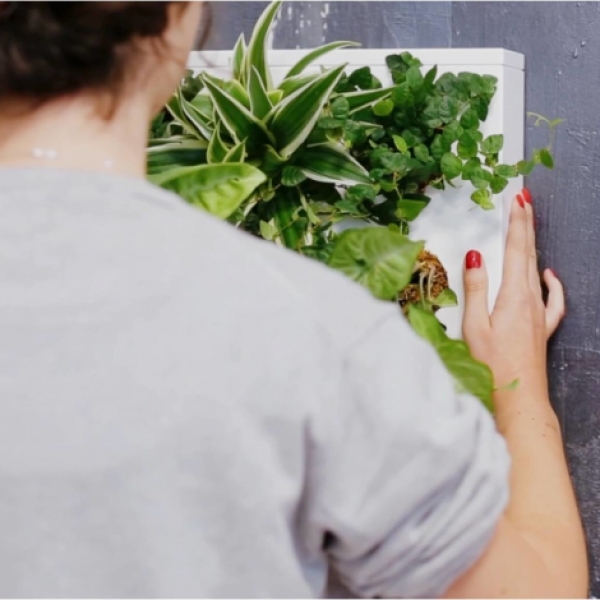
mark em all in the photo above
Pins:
pixel 256 55
pixel 316 54
pixel 259 99
pixel 294 118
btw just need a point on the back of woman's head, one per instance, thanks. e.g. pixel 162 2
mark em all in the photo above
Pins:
pixel 52 49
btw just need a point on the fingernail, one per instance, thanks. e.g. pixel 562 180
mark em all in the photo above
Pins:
pixel 520 201
pixel 473 259
pixel 553 272
pixel 527 195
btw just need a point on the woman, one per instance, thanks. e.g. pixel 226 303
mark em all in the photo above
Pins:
pixel 190 412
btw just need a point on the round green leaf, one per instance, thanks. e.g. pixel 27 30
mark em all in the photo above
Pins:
pixel 546 158
pixel 421 153
pixel 470 119
pixel 467 145
pixel 340 108
pixel 506 171
pixel 402 96
pixel 400 143
pixel 492 144
pixel 451 166
pixel 498 184
pixel 526 167
pixel 414 78
pixel 483 198
pixel 383 108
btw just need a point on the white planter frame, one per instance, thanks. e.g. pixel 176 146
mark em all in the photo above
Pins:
pixel 452 224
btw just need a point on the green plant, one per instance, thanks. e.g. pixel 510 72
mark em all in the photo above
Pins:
pixel 271 129
pixel 288 161
pixel 426 135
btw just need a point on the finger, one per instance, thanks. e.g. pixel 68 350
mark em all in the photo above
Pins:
pixel 516 259
pixel 477 316
pixel 532 269
pixel 555 306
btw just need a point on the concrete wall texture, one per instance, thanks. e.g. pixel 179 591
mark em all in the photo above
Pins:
pixel 562 51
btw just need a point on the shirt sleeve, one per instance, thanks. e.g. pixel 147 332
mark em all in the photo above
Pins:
pixel 410 478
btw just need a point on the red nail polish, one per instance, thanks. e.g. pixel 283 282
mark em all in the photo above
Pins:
pixel 520 201
pixel 553 272
pixel 473 259
pixel 527 195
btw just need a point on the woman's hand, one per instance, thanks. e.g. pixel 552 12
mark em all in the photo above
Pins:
pixel 539 548
pixel 512 340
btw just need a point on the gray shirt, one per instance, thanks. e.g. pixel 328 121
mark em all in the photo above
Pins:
pixel 187 411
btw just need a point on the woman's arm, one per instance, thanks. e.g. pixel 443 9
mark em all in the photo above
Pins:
pixel 539 547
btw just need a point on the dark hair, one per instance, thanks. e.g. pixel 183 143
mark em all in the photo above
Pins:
pixel 50 49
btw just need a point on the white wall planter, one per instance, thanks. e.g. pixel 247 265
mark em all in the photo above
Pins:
pixel 452 224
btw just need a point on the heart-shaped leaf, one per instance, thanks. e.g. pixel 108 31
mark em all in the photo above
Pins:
pixel 381 260
pixel 471 376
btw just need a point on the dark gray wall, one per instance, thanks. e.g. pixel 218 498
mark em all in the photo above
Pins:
pixel 562 50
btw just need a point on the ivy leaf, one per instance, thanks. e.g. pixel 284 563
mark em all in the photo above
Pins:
pixel 507 171
pixel 358 193
pixel 472 169
pixel 381 260
pixel 348 206
pixel 481 183
pixel 429 78
pixel 390 161
pixel 467 145
pixel 546 158
pixel 402 96
pixel 492 144
pixel 498 184
pixel 421 153
pixel 483 198
pixel 488 84
pixel 340 108
pixel 451 166
pixel 410 138
pixel 439 147
pixel 452 132
pixel 400 144
pixel 414 78
pixel 473 82
pixel 361 78
pixel 470 119
pixel 448 109
pixel 410 209
pixel 292 176
pixel 481 106
pixel 470 375
pixel 354 133
pixel 526 167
